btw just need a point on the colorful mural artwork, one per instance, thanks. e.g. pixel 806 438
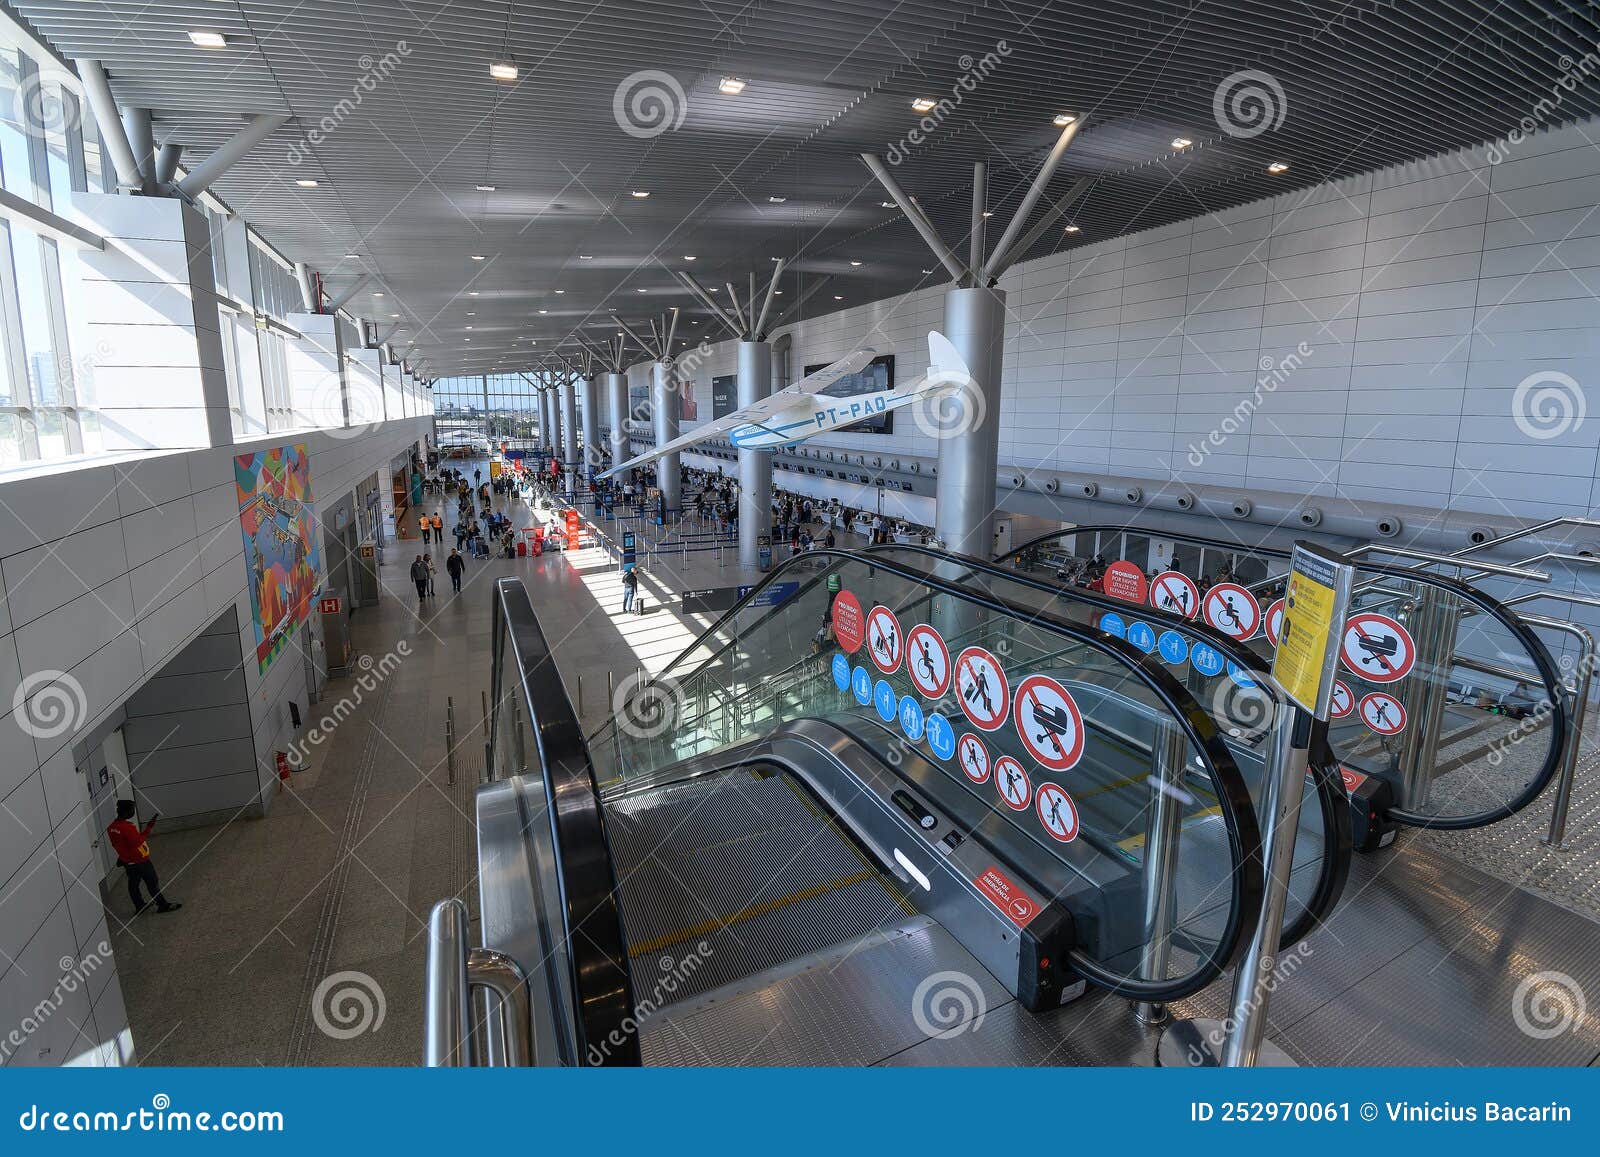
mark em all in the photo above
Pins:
pixel 280 544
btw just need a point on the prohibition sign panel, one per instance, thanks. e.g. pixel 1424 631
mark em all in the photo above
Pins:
pixel 1383 713
pixel 927 661
pixel 1011 781
pixel 981 684
pixel 1048 720
pixel 1174 591
pixel 1125 581
pixel 885 644
pixel 1233 610
pixel 1275 622
pixel 1057 812
pixel 1377 648
pixel 848 624
pixel 973 757
pixel 1342 702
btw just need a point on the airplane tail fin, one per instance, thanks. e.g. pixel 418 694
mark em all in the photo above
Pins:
pixel 946 367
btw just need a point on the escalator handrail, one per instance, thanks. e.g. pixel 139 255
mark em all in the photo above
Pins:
pixel 1332 799
pixel 599 977
pixel 1549 676
pixel 1233 796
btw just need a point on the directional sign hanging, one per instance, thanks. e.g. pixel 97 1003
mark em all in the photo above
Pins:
pixel 1383 713
pixel 1342 702
pixel 1049 723
pixel 1011 781
pixel 973 757
pixel 985 694
pixel 1174 591
pixel 885 644
pixel 1377 648
pixel 927 661
pixel 1275 622
pixel 1233 610
pixel 1057 812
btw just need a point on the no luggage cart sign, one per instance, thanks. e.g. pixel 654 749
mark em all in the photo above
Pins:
pixel 927 661
pixel 1011 780
pixel 1233 610
pixel 985 694
pixel 884 641
pixel 1057 812
pixel 1175 591
pixel 1049 723
pixel 1383 713
pixel 1377 648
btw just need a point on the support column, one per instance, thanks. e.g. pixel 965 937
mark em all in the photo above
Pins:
pixel 591 429
pixel 615 389
pixel 664 409
pixel 755 466
pixel 975 323
pixel 569 431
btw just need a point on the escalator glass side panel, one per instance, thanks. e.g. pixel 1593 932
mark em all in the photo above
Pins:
pixel 1074 743
pixel 1444 693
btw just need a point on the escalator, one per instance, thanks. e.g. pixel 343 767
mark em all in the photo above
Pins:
pixel 1449 712
pixel 815 840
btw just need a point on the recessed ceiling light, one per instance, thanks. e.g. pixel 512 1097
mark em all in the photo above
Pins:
pixel 1070 229
pixel 307 183
pixel 924 104
pixel 208 39
pixel 479 257
pixel 472 293
pixel 887 205
pixel 470 313
pixel 394 315
pixel 777 200
pixel 638 291
pixel 377 293
pixel 731 85
pixel 469 327
pixel 836 297
pixel 466 339
pixel 855 263
pixel 1181 142
pixel 927 271
pixel 1062 120
pixel 775 293
pixel 503 70
pixel 352 257
pixel 1278 167
pixel 688 256
pixel 544 311
pixel 484 188
pixel 559 292
pixel 639 194
pixel 586 257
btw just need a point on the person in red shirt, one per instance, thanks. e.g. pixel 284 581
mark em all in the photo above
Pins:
pixel 133 856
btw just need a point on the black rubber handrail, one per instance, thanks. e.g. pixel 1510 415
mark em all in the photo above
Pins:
pixel 1233 797
pixel 1555 696
pixel 1332 800
pixel 599 977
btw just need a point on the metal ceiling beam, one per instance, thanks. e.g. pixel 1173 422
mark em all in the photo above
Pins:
pixel 308 287
pixel 980 204
pixel 338 303
pixel 1041 179
pixel 644 345
pixel 759 329
pixel 167 163
pixel 104 106
pixel 710 302
pixel 738 310
pixel 232 151
pixel 1003 261
pixel 919 222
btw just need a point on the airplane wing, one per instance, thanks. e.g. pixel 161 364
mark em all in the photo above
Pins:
pixel 757 412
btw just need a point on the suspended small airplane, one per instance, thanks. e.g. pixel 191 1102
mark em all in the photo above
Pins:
pixel 802 411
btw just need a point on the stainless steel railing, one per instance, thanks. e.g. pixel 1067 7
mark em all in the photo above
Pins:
pixel 454 971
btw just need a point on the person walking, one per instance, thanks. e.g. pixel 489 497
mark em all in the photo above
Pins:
pixel 132 845
pixel 455 564
pixel 427 561
pixel 630 587
pixel 419 575
pixel 424 525
pixel 438 529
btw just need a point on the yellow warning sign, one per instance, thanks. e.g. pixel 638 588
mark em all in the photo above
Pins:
pixel 1314 607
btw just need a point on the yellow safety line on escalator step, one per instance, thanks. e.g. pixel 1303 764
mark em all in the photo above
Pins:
pixel 890 885
pixel 1137 841
pixel 706 927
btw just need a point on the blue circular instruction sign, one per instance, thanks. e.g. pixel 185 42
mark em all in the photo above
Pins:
pixel 1239 675
pixel 941 736
pixel 1114 624
pixel 1206 659
pixel 1174 647
pixel 911 721
pixel 883 698
pixel 841 672
pixel 1143 636
pixel 861 685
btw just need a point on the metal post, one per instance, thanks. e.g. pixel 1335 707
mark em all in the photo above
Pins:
pixel 104 106
pixel 969 453
pixel 755 466
pixel 447 997
pixel 615 389
pixel 450 737
pixel 664 410
pixel 1434 631
pixel 591 429
pixel 569 429
pixel 980 202
pixel 1284 792
pixel 1163 827
pixel 141 135
pixel 1569 758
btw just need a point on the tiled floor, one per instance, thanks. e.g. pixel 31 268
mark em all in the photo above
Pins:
pixel 299 927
